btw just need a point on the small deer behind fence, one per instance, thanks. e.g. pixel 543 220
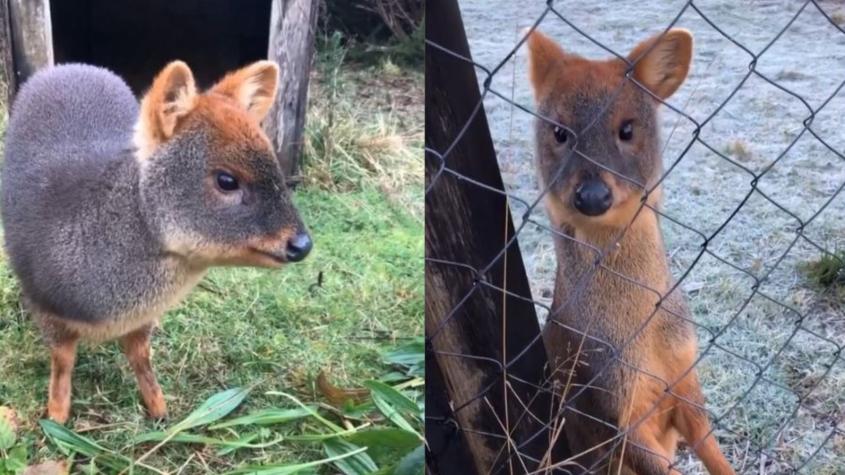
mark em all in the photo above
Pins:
pixel 620 341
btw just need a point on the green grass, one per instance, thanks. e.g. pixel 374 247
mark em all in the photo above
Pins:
pixel 245 327
pixel 828 271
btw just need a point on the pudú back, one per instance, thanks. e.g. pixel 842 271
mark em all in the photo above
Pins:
pixel 66 109
pixel 67 156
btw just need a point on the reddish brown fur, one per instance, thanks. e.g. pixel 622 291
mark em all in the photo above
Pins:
pixel 232 128
pixel 62 360
pixel 136 347
pixel 253 252
pixel 232 111
pixel 612 308
pixel 253 87
pixel 170 98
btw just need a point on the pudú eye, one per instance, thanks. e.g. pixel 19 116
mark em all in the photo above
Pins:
pixel 560 134
pixel 226 182
pixel 626 132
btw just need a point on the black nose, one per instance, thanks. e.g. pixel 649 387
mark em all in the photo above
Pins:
pixel 593 197
pixel 298 247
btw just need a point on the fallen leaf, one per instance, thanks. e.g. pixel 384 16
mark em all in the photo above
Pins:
pixel 339 396
pixel 10 416
pixel 8 428
pixel 49 467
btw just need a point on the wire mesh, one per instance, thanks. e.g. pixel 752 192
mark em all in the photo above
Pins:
pixel 749 451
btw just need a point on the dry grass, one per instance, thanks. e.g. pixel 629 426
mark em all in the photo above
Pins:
pixel 738 149
pixel 363 131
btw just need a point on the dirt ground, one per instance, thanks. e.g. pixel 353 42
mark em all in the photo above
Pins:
pixel 792 414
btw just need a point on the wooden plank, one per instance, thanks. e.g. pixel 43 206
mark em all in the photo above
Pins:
pixel 291 44
pixel 470 225
pixel 7 66
pixel 446 447
pixel 32 37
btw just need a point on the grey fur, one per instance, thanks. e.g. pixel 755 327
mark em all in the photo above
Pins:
pixel 85 226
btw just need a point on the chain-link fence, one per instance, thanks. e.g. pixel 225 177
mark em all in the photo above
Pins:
pixel 740 224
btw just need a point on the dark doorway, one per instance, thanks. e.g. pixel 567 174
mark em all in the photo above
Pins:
pixel 136 38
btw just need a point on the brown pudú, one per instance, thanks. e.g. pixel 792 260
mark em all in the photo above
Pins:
pixel 613 326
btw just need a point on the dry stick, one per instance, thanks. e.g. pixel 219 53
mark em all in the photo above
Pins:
pixel 625 438
pixel 522 403
pixel 193 454
pixel 571 459
pixel 526 410
pixel 507 426
pixel 505 336
pixel 510 441
pixel 559 425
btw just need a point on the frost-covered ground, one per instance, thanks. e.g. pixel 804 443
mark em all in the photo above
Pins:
pixel 754 128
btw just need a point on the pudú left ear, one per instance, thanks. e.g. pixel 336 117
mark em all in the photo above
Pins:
pixel 545 57
pixel 662 67
pixel 253 87
pixel 171 97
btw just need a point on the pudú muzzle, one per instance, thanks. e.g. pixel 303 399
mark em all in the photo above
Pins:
pixel 617 339
pixel 113 211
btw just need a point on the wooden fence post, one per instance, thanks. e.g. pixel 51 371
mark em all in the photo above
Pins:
pixel 292 24
pixel 469 225
pixel 7 67
pixel 32 37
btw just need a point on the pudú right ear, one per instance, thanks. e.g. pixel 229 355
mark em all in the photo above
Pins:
pixel 171 97
pixel 663 62
pixel 253 87
pixel 544 56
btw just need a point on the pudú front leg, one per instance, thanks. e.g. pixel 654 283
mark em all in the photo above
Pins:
pixel 136 347
pixel 62 360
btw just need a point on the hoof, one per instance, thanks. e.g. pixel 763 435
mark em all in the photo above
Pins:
pixel 157 410
pixel 58 413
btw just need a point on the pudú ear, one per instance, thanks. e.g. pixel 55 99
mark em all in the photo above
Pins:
pixel 662 67
pixel 253 87
pixel 171 97
pixel 544 55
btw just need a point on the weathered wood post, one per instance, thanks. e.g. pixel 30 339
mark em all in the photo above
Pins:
pixel 32 37
pixel 7 67
pixel 292 24
pixel 470 338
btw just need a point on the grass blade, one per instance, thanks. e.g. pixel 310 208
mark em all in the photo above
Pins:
pixel 69 441
pixel 401 402
pixel 311 412
pixel 320 437
pixel 391 413
pixel 266 417
pixel 242 442
pixel 213 409
pixel 382 440
pixel 358 464
pixel 413 463
pixel 293 468
pixel 410 356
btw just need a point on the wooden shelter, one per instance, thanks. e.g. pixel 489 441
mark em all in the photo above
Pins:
pixel 136 38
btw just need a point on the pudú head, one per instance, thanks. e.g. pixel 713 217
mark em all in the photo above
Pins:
pixel 606 117
pixel 210 183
